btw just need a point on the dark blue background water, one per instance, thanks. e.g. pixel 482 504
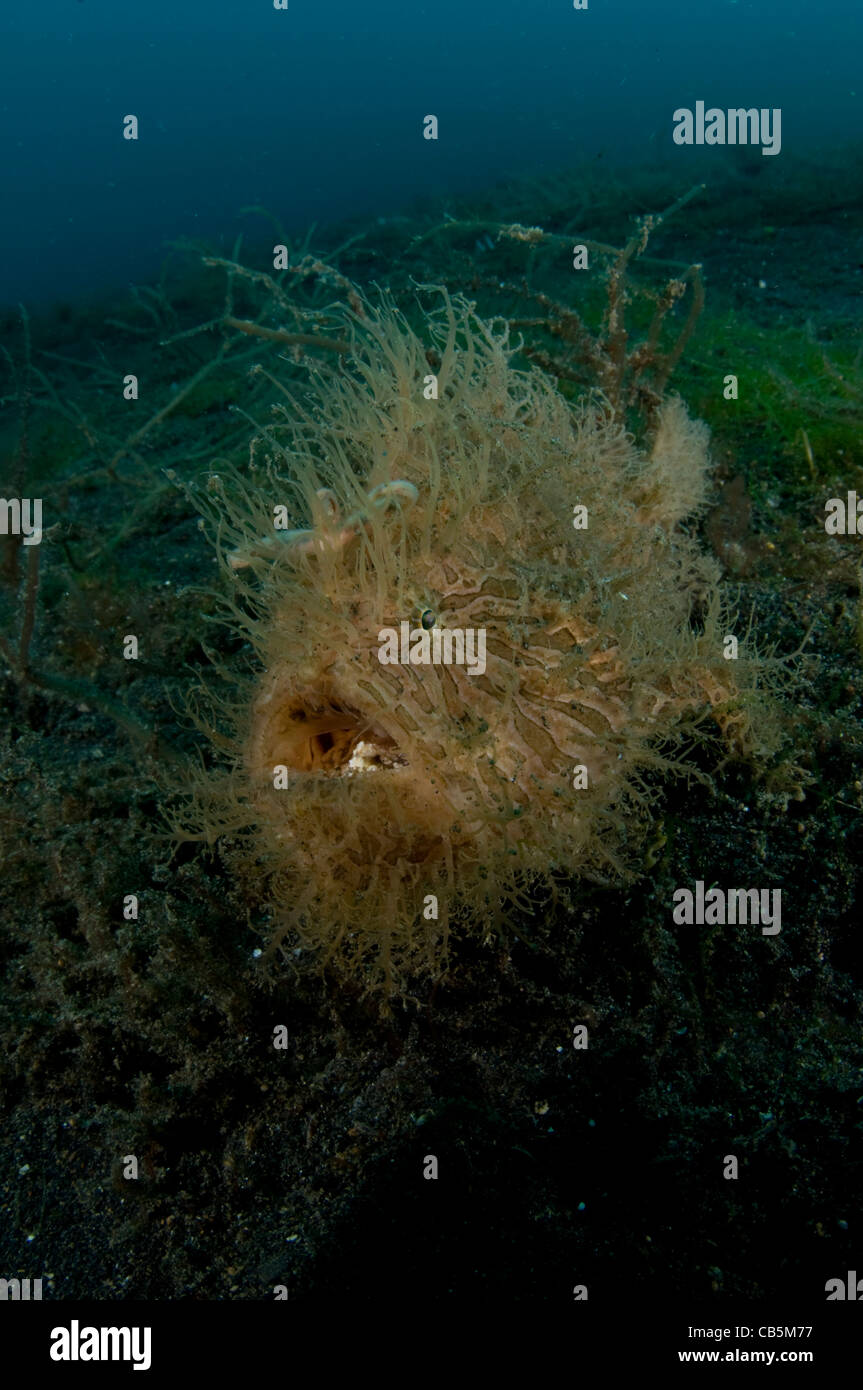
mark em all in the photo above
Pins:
pixel 316 112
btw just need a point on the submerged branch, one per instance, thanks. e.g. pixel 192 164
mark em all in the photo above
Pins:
pixel 280 335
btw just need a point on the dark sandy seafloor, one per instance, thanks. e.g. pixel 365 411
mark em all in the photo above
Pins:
pixel 154 1038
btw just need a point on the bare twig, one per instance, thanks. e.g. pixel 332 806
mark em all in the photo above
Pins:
pixel 695 308
pixel 280 335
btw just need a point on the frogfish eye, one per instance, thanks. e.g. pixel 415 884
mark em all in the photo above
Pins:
pixel 427 619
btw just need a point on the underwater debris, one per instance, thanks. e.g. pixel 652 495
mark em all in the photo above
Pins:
pixel 633 377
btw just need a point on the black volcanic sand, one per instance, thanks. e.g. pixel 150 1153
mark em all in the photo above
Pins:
pixel 153 1037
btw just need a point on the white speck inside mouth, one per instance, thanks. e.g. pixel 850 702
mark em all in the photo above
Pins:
pixel 364 758
pixel 368 756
